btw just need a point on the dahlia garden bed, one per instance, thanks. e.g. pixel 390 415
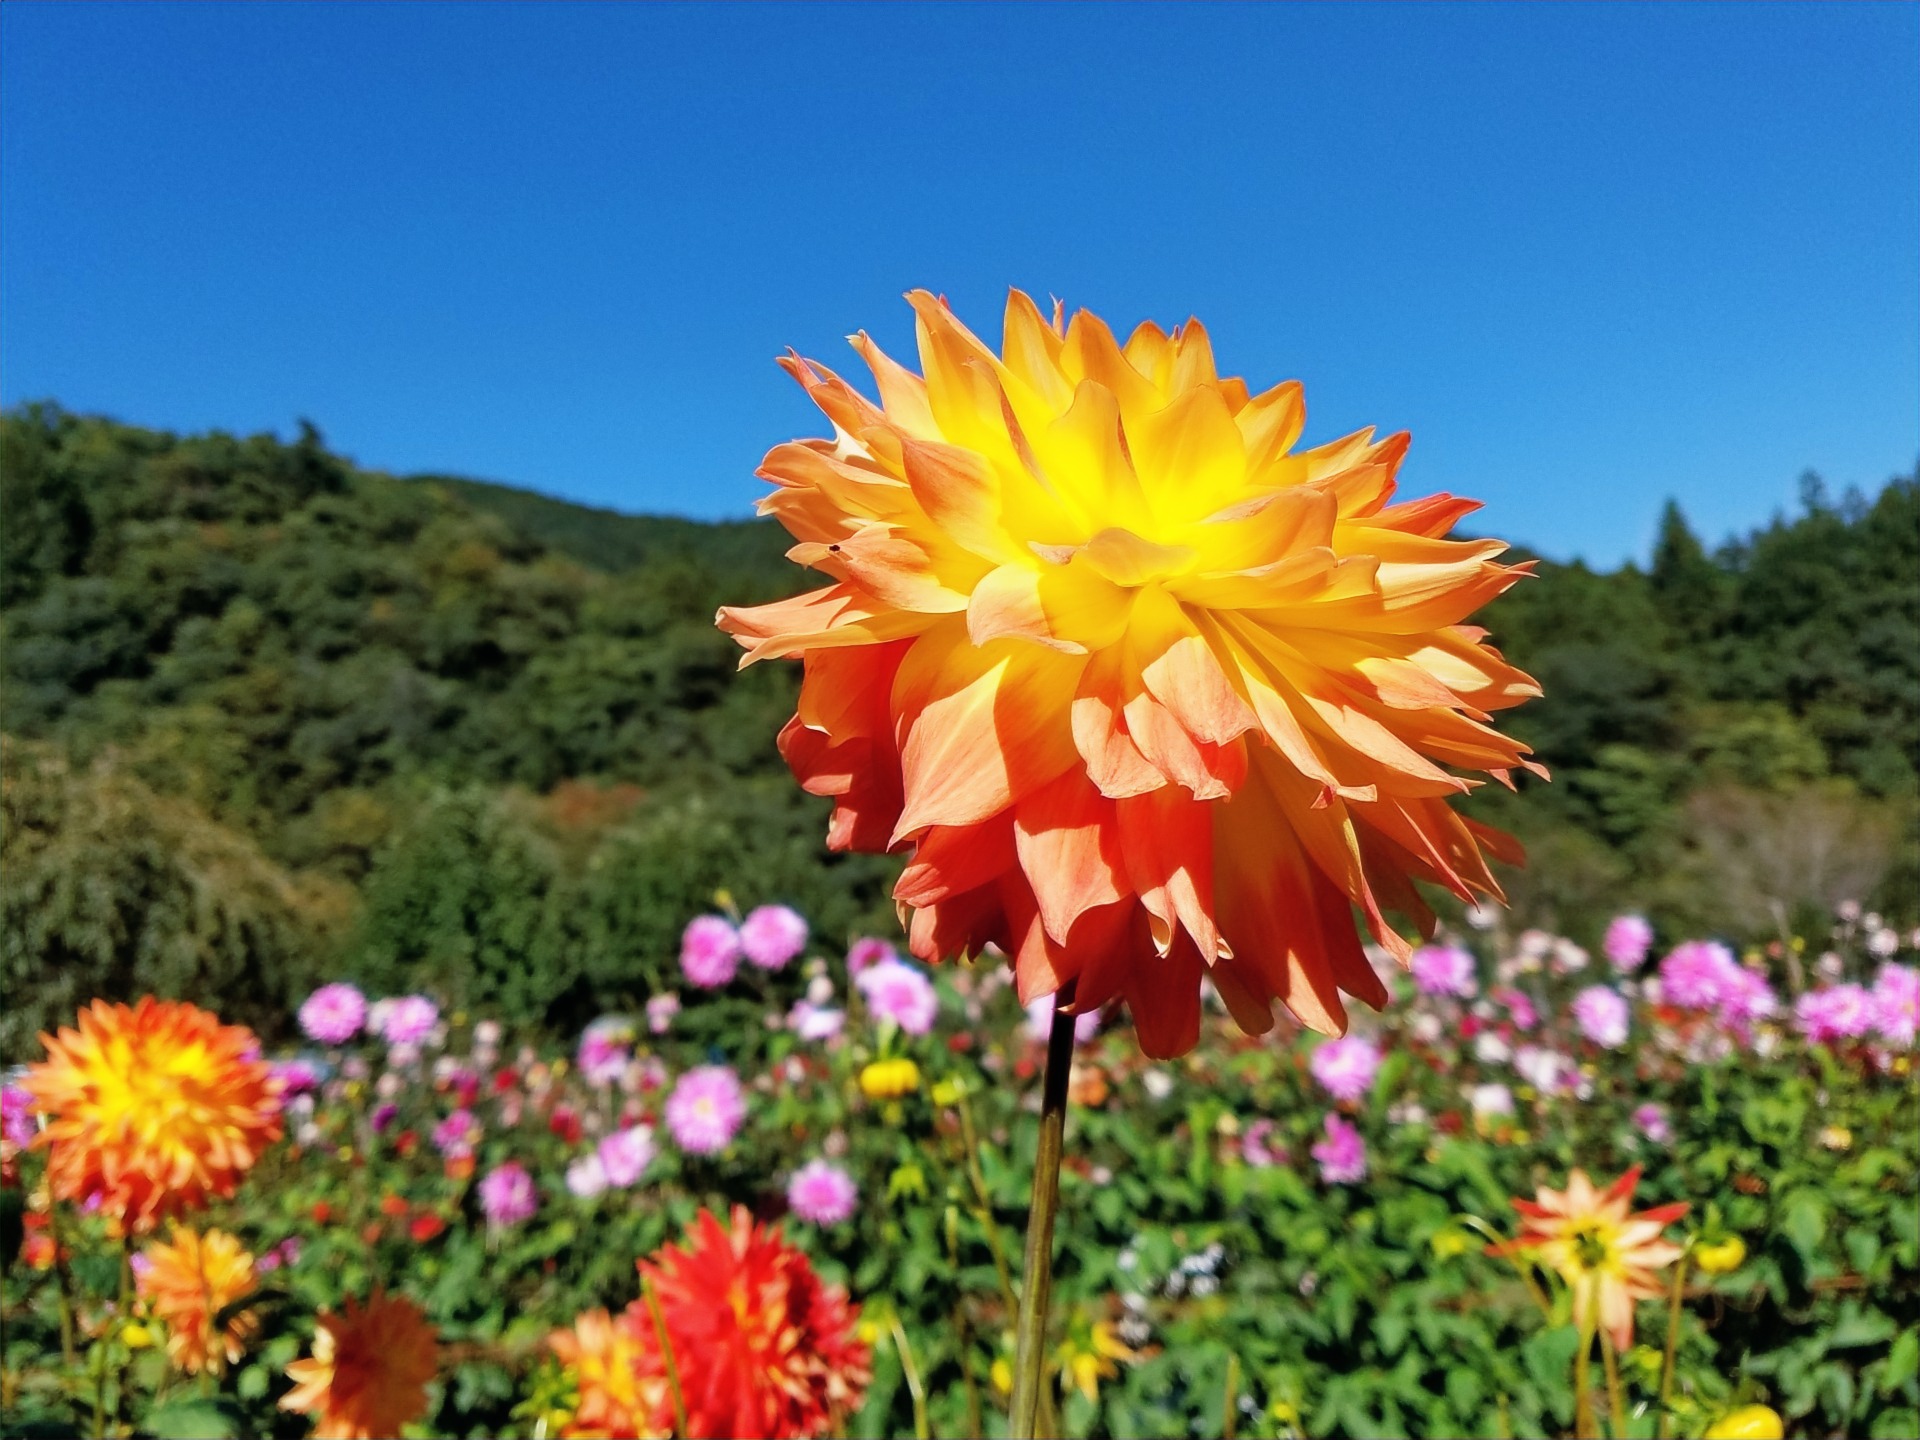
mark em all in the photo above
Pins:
pixel 790 1199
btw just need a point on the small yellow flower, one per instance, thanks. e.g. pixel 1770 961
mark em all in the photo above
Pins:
pixel 949 1091
pixel 1749 1422
pixel 1720 1257
pixel 1002 1375
pixel 889 1079
pixel 1837 1137
pixel 1087 1354
pixel 136 1336
pixel 1450 1242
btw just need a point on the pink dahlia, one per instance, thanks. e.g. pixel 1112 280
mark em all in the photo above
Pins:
pixel 1652 1122
pixel 822 1193
pixel 1628 939
pixel 1696 973
pixel 867 952
pixel 625 1154
pixel 1896 1004
pixel 1840 1012
pixel 1602 1015
pixel 900 992
pixel 709 951
pixel 334 1013
pixel 1342 1155
pixel 1444 970
pixel 1345 1067
pixel 772 935
pixel 507 1196
pixel 409 1020
pixel 706 1109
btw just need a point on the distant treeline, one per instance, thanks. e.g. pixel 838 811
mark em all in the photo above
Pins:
pixel 270 716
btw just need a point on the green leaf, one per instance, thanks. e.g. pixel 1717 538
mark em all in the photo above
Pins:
pixel 197 1418
pixel 1903 1362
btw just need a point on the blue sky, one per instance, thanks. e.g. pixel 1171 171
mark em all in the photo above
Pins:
pixel 1590 256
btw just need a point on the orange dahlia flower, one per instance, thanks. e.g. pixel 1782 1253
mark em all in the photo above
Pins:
pixel 186 1283
pixel 605 1354
pixel 1148 693
pixel 1606 1256
pixel 152 1109
pixel 369 1371
pixel 762 1346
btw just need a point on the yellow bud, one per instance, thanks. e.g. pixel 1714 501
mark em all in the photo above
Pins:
pixel 948 1092
pixel 889 1079
pixel 868 1331
pixel 1749 1422
pixel 1002 1375
pixel 1837 1137
pixel 1720 1257
pixel 136 1336
pixel 345 1152
pixel 1450 1242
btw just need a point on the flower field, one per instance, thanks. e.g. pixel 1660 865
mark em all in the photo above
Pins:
pixel 807 1172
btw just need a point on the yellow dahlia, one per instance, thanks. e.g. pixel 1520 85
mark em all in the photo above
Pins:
pixel 369 1371
pixel 186 1283
pixel 152 1109
pixel 1147 693
pixel 1606 1255
pixel 604 1354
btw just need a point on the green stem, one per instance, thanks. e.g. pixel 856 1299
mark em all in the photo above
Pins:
pixel 1030 1332
pixel 1674 1298
pixel 666 1356
pixel 63 1283
pixel 983 1206
pixel 1583 1426
pixel 912 1372
pixel 1616 1400
pixel 1229 1404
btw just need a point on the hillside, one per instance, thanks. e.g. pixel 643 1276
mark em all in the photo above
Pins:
pixel 454 729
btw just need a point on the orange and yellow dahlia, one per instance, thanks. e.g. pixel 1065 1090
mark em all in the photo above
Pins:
pixel 152 1109
pixel 1606 1255
pixel 369 1371
pixel 762 1346
pixel 604 1354
pixel 186 1283
pixel 1148 693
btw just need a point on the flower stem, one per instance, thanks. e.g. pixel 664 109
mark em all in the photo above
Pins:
pixel 666 1356
pixel 912 1373
pixel 1230 1403
pixel 1583 1426
pixel 1030 1333
pixel 1673 1343
pixel 1616 1400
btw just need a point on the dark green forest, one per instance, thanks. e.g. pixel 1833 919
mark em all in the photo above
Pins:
pixel 269 717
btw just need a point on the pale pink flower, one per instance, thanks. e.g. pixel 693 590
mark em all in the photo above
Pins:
pixel 507 1195
pixel 1695 974
pixel 410 1020
pixel 709 951
pixel 1896 1004
pixel 1254 1149
pixel 772 935
pixel 1342 1155
pixel 604 1050
pixel 815 1022
pixel 1602 1015
pixel 1840 1012
pixel 706 1109
pixel 1490 1099
pixel 1746 997
pixel 822 1193
pixel 1444 970
pixel 1519 1008
pixel 867 952
pixel 1628 939
pixel 1345 1067
pixel 1652 1122
pixel 660 1012
pixel 900 992
pixel 587 1177
pixel 625 1154
pixel 334 1013
pixel 456 1135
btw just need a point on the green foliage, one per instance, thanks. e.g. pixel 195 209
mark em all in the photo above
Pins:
pixel 387 683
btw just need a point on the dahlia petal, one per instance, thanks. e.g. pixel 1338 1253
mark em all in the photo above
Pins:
pixel 1114 763
pixel 948 860
pixel 961 497
pixel 837 615
pixel 1070 849
pixel 1166 841
pixel 1163 997
pixel 1181 671
pixel 1193 364
pixel 1091 353
pixel 1083 455
pixel 969 746
pixel 1269 424
pixel 903 394
pixel 1032 352
pixel 1188 455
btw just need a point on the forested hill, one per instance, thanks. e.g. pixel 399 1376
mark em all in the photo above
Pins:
pixel 270 715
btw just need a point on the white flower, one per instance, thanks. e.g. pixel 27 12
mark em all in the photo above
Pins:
pixel 1490 1049
pixel 1158 1083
